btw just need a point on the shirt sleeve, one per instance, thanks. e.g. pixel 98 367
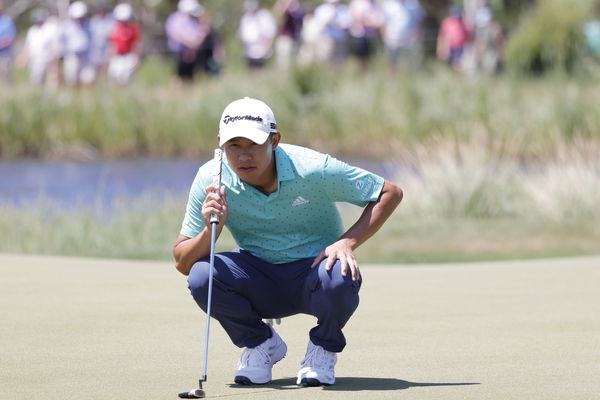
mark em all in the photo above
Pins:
pixel 192 222
pixel 350 184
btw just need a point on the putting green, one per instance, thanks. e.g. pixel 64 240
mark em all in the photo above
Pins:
pixel 109 329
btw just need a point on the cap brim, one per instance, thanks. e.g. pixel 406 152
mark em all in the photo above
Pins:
pixel 256 135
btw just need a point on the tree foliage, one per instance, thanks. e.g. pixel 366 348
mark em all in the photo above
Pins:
pixel 549 38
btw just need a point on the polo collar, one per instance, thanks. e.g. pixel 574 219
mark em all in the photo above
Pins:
pixel 285 170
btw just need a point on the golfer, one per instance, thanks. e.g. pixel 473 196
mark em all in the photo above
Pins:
pixel 278 201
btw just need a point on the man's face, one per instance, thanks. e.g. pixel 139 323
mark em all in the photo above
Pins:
pixel 250 161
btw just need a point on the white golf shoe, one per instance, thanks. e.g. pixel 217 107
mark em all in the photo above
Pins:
pixel 317 368
pixel 256 364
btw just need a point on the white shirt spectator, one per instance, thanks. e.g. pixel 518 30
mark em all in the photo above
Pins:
pixel 367 18
pixel 41 47
pixel 76 39
pixel 257 32
pixel 335 18
pixel 397 20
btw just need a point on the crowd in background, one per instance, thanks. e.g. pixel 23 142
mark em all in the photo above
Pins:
pixel 334 31
pixel 78 49
pixel 90 43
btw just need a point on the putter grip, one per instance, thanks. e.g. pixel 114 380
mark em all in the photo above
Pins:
pixel 216 180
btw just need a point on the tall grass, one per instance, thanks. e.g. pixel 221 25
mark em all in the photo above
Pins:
pixel 466 181
pixel 343 112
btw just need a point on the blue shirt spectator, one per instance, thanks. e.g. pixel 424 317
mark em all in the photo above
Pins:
pixel 8 32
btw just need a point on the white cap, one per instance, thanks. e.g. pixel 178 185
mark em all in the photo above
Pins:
pixel 123 12
pixel 77 10
pixel 248 118
pixel 188 6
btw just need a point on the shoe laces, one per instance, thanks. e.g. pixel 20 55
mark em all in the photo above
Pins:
pixel 255 357
pixel 318 357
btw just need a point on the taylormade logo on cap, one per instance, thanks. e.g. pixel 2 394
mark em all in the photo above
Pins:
pixel 248 118
pixel 227 119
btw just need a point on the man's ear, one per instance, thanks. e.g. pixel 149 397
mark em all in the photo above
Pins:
pixel 275 138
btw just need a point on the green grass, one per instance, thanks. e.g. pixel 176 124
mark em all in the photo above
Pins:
pixel 418 241
pixel 147 230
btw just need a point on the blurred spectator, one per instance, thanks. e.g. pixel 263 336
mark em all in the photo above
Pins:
pixel 335 19
pixel 125 46
pixel 367 22
pixel 53 31
pixel 488 40
pixel 289 39
pixel 313 47
pixel 8 33
pixel 591 34
pixel 257 32
pixel 452 38
pixel 185 34
pixel 101 26
pixel 211 54
pixel 40 50
pixel 402 31
pixel 76 46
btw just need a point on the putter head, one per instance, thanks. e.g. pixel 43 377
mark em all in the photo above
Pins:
pixel 193 394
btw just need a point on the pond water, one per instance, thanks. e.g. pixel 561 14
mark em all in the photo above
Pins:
pixel 66 183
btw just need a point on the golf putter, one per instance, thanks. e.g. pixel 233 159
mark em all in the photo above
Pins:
pixel 214 220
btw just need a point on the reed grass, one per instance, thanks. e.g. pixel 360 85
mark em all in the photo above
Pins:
pixel 467 180
pixel 343 112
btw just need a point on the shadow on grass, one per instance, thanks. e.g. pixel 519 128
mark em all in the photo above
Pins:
pixel 355 384
pixel 347 384
pixel 274 385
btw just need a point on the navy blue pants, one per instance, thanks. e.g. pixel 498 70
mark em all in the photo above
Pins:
pixel 247 289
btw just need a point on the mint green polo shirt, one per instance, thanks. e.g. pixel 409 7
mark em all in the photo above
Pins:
pixel 298 220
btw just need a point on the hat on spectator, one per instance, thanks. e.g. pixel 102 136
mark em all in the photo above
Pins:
pixel 248 118
pixel 77 10
pixel 188 6
pixel 123 12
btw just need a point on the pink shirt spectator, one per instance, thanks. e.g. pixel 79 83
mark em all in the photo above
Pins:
pixel 454 31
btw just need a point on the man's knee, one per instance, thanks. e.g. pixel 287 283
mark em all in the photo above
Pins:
pixel 332 281
pixel 337 296
pixel 198 282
